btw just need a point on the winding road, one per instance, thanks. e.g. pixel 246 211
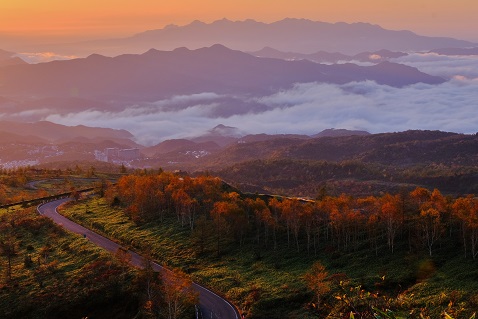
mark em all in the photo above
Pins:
pixel 211 305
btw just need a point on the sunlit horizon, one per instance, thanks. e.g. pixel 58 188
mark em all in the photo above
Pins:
pixel 56 21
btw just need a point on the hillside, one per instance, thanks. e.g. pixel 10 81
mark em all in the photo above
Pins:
pixel 402 149
pixel 258 251
pixel 54 274
pixel 167 147
pixel 351 164
pixel 28 144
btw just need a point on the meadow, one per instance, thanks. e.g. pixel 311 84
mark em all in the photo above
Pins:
pixel 47 272
pixel 269 283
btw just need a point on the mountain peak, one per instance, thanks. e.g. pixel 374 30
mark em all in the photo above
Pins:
pixel 268 50
pixel 223 20
pixel 220 127
pixel 181 49
pixel 296 20
pixel 221 134
pixel 171 26
pixel 196 23
pixel 96 56
pixel 225 130
pixel 219 47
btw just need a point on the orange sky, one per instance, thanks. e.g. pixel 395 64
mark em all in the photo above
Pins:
pixel 104 18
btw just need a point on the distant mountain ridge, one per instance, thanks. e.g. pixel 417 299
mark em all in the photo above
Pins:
pixel 328 57
pixel 298 35
pixel 222 138
pixel 8 58
pixel 23 144
pixel 352 164
pixel 160 74
pixel 402 148
pixel 52 132
pixel 11 138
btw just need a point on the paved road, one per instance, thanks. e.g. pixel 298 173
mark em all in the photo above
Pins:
pixel 212 306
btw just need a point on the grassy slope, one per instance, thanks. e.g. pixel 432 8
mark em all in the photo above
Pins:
pixel 270 284
pixel 64 283
pixel 44 185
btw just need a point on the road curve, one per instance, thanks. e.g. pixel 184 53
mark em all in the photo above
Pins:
pixel 212 306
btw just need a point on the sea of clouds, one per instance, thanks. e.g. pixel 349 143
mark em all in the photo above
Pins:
pixel 308 108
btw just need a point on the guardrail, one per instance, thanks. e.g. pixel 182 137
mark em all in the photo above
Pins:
pixel 41 200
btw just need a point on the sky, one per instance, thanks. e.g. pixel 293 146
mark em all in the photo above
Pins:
pixel 59 20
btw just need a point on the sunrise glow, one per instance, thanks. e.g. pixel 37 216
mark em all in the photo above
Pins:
pixel 231 159
pixel 96 19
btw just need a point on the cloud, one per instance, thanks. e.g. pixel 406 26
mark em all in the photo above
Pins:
pixel 442 65
pixel 40 57
pixel 308 108
pixel 23 115
pixel 185 100
pixel 148 127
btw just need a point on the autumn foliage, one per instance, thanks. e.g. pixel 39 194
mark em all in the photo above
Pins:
pixel 217 215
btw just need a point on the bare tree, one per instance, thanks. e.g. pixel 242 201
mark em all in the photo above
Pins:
pixel 8 249
pixel 178 293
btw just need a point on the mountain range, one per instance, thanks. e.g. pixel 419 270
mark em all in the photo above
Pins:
pixel 48 132
pixel 99 82
pixel 297 35
pixel 157 74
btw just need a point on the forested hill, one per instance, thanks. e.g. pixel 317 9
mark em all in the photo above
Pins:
pixel 352 164
pixel 403 148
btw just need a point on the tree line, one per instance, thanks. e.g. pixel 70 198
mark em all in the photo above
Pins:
pixel 217 215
